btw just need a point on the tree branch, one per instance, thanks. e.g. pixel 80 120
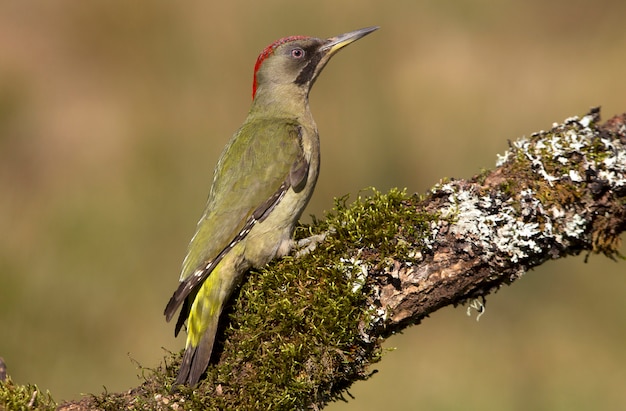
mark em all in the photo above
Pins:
pixel 303 330
pixel 555 194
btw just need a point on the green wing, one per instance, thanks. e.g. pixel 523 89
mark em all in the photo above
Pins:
pixel 262 160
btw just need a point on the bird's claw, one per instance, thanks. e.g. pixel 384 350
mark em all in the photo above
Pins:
pixel 306 245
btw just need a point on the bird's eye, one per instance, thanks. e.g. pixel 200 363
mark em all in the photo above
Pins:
pixel 297 53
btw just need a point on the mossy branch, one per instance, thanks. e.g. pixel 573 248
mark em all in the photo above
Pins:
pixel 301 331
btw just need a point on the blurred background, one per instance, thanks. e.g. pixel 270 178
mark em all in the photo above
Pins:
pixel 113 115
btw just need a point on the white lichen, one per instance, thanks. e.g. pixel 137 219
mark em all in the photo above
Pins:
pixel 575 226
pixel 516 224
pixel 493 222
pixel 477 305
pixel 355 270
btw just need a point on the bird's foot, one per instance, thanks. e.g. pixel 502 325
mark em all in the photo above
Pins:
pixel 306 245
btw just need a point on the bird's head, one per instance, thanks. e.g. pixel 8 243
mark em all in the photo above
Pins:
pixel 297 61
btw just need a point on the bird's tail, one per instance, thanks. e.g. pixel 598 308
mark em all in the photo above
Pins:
pixel 202 326
pixel 204 315
pixel 196 357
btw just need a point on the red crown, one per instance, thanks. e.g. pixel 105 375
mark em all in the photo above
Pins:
pixel 268 51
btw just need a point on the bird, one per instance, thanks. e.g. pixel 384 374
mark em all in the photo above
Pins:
pixel 262 182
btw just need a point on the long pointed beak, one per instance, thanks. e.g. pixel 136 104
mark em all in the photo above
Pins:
pixel 336 43
pixel 327 50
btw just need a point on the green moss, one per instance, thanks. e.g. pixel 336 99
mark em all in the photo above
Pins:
pixel 14 397
pixel 387 222
pixel 297 331
pixel 294 334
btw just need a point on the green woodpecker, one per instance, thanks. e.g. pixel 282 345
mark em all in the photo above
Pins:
pixel 262 183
